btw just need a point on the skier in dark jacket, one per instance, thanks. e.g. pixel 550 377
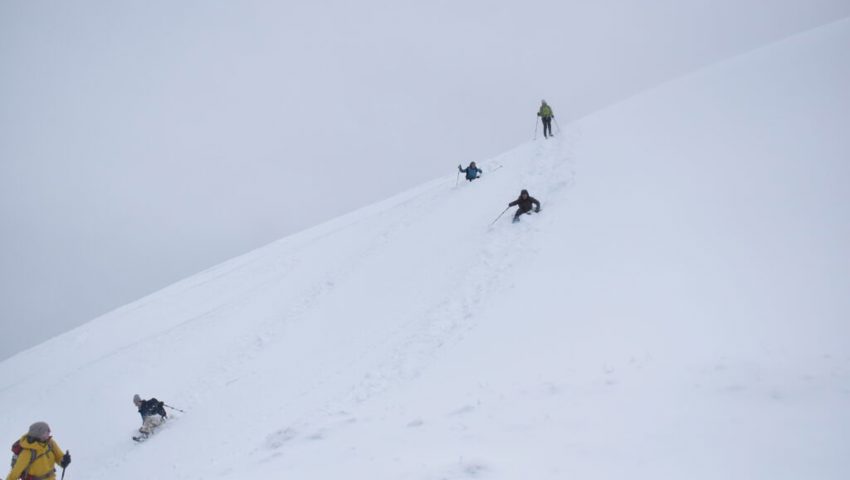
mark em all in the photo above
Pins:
pixel 472 171
pixel 524 202
pixel 152 412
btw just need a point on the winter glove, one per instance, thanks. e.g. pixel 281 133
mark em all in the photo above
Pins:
pixel 66 460
pixel 537 210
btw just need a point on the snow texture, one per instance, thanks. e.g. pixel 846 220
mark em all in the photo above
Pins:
pixel 679 309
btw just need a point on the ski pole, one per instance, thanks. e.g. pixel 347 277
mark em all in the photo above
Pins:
pixel 457 179
pixel 68 452
pixel 500 215
pixel 169 406
pixel 535 127
pixel 557 124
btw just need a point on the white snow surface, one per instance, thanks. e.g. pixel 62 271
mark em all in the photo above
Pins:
pixel 679 309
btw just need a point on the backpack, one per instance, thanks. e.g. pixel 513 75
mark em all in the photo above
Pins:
pixel 17 448
pixel 152 406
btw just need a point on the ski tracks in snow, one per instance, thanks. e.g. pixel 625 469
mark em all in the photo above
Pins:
pixel 413 344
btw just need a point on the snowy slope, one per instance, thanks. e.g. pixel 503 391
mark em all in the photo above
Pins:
pixel 679 309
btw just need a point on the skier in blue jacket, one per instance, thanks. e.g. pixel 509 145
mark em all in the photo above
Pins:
pixel 472 171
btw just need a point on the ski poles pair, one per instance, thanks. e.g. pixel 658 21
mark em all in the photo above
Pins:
pixel 537 122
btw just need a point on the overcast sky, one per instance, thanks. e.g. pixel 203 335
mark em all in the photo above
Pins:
pixel 143 141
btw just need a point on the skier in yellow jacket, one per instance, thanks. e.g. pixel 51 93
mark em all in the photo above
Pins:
pixel 38 455
pixel 546 115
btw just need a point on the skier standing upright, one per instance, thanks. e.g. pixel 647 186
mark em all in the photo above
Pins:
pixel 546 115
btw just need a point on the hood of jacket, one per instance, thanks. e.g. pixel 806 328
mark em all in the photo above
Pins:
pixel 39 447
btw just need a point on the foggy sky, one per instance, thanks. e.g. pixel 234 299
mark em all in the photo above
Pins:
pixel 141 142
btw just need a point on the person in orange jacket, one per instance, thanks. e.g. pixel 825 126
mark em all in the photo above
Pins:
pixel 37 454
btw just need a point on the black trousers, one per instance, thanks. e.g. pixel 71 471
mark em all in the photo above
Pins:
pixel 520 211
pixel 547 125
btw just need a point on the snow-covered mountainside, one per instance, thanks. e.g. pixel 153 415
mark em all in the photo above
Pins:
pixel 679 309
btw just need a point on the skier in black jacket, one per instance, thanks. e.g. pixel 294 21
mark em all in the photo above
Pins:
pixel 524 202
pixel 152 412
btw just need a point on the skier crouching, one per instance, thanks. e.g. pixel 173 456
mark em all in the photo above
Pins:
pixel 524 202
pixel 152 412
